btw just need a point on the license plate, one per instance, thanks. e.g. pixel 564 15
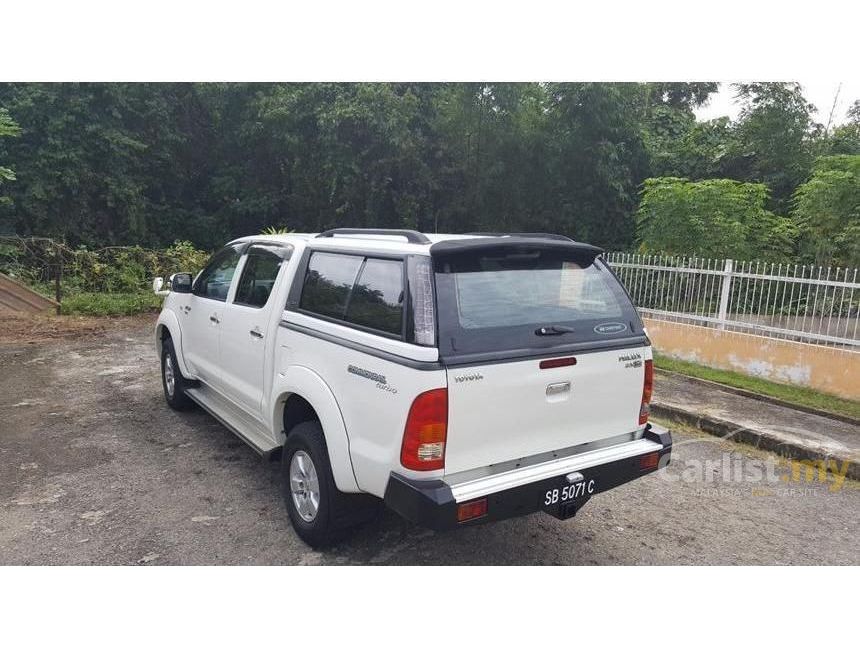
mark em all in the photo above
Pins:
pixel 570 492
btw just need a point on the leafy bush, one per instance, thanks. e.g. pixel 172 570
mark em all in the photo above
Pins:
pixel 119 269
pixel 129 269
pixel 827 212
pixel 712 218
pixel 182 256
pixel 113 280
pixel 110 304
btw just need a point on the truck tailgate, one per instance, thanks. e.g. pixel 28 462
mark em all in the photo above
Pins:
pixel 503 411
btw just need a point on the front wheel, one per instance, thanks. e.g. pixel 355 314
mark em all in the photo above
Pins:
pixel 172 381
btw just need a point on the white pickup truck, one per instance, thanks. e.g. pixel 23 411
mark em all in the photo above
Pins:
pixel 459 378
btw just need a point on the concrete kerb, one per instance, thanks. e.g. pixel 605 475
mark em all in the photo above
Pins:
pixel 741 434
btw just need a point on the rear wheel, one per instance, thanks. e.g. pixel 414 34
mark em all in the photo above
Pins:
pixel 319 512
pixel 173 382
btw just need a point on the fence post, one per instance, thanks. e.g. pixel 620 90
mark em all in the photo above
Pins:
pixel 58 275
pixel 725 292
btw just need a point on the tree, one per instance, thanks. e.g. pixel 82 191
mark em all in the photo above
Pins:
pixel 596 161
pixel 678 144
pixel 827 212
pixel 774 139
pixel 711 218
pixel 845 139
pixel 8 128
pixel 343 153
pixel 74 160
pixel 685 96
pixel 140 163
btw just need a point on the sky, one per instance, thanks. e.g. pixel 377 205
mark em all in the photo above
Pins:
pixel 819 93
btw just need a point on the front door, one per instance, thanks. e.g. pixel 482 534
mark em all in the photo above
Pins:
pixel 201 328
pixel 245 327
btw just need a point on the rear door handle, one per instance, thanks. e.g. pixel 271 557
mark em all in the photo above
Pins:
pixel 214 319
pixel 256 333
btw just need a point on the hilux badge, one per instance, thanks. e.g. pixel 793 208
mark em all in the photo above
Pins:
pixel 610 328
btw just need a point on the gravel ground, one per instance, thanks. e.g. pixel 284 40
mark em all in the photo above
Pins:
pixel 96 469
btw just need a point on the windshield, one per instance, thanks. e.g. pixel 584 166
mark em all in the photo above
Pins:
pixel 531 299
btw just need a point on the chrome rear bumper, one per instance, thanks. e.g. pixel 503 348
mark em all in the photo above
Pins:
pixel 490 484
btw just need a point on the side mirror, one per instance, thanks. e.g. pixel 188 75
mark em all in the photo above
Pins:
pixel 181 282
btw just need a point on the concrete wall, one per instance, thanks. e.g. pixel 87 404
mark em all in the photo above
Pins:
pixel 822 368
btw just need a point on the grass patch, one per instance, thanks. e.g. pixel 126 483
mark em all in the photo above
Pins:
pixel 783 392
pixel 110 304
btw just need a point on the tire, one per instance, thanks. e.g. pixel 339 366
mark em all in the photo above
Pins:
pixel 174 393
pixel 322 515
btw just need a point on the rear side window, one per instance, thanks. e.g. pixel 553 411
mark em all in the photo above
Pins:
pixel 377 298
pixel 530 299
pixel 258 277
pixel 328 283
pixel 366 292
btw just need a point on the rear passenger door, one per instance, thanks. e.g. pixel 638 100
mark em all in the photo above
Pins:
pixel 246 325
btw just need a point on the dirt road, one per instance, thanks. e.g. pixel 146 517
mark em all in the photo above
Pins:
pixel 96 469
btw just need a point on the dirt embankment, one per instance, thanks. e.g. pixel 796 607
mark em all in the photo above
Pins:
pixel 22 329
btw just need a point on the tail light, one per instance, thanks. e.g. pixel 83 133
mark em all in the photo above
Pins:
pixel 426 430
pixel 647 389
pixel 423 308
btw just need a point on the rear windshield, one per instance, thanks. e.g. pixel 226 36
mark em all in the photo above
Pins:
pixel 536 299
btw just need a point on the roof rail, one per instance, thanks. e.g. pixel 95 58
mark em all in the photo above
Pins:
pixel 412 236
pixel 548 236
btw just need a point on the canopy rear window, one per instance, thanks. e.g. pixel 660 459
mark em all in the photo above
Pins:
pixel 528 298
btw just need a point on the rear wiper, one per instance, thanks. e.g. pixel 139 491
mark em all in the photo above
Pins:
pixel 553 330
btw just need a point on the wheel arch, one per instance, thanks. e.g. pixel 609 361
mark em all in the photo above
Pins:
pixel 301 395
pixel 167 326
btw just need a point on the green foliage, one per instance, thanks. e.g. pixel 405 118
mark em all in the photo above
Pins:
pixel 98 282
pixel 8 128
pixel 711 218
pixel 775 138
pixel 679 146
pixel 149 163
pixel 845 139
pixel 827 211
pixel 773 142
pixel 127 269
pixel 598 159
pixel 141 163
pixel 275 230
pixel 110 304
pixel 111 270
pixel 179 257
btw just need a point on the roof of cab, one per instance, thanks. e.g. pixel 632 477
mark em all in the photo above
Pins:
pixel 392 241
pixel 358 241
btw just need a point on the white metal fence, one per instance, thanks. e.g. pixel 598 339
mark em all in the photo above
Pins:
pixel 816 305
